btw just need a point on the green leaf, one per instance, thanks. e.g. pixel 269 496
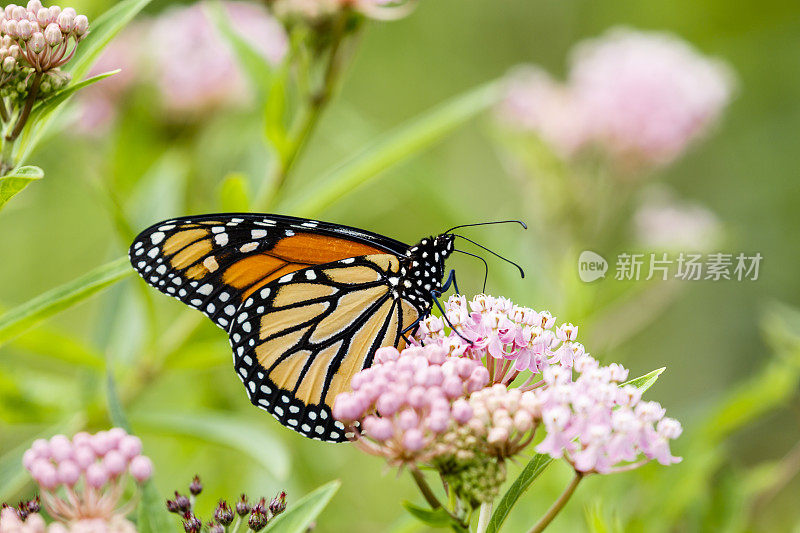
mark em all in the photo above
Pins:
pixel 646 381
pixel 153 516
pixel 251 60
pixel 27 315
pixel 101 32
pixel 60 97
pixel 433 517
pixel 115 410
pixel 298 516
pixel 44 113
pixel 234 194
pixel 398 145
pixel 13 183
pixel 234 432
pixel 532 470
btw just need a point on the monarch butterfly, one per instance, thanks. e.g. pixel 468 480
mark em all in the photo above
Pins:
pixel 305 303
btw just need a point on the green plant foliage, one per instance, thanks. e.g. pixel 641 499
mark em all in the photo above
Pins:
pixel 13 183
pixel 299 515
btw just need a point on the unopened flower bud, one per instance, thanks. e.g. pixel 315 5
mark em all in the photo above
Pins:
pixel 15 51
pixel 196 487
pixel 9 10
pixel 9 64
pixel 24 30
pixel 223 514
pixel 37 42
pixel 52 34
pixel 81 25
pixel 182 503
pixel 43 17
pixel 32 506
pixel 192 524
pixel 34 6
pixel 11 28
pixel 258 520
pixel 278 504
pixel 66 21
pixel 55 11
pixel 242 507
pixel 215 528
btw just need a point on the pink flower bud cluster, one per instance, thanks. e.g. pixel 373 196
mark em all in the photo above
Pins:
pixel 598 425
pixel 505 418
pixel 407 399
pixel 92 470
pixel 46 37
pixel 12 522
pixel 508 338
pixel 640 97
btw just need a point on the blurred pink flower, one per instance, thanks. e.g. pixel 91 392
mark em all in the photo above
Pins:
pixel 536 102
pixel 664 223
pixel 642 98
pixel 647 95
pixel 314 10
pixel 83 480
pixel 195 68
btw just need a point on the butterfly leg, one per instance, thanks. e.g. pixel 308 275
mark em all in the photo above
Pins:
pixel 451 279
pixel 435 297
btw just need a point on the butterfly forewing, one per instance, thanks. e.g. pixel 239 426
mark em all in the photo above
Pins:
pixel 298 340
pixel 213 263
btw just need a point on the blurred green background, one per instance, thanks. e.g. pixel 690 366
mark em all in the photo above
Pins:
pixel 727 346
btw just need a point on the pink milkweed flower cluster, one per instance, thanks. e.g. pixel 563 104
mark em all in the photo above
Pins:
pixel 83 479
pixel 195 68
pixel 641 97
pixel 598 425
pixel 508 338
pixel 404 402
pixel 506 418
pixel 47 38
pixel 190 63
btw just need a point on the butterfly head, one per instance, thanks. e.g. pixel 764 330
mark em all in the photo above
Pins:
pixel 425 261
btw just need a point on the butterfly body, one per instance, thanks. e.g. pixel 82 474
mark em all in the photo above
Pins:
pixel 305 303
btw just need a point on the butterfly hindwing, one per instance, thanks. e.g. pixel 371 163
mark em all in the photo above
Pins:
pixel 298 340
pixel 214 262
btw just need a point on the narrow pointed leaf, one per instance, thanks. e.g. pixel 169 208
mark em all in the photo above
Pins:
pixel 13 183
pixel 438 518
pixel 646 381
pixel 25 316
pixel 101 32
pixel 532 470
pixel 299 515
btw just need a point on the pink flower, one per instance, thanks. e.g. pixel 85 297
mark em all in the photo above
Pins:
pixel 535 102
pixel 647 95
pixel 407 399
pixel 195 68
pixel 509 339
pixel 85 477
pixel 642 98
pixel 599 426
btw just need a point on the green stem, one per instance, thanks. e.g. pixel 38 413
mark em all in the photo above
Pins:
pixel 11 136
pixel 3 110
pixel 558 505
pixel 483 518
pixel 424 488
pixel 428 494
pixel 309 117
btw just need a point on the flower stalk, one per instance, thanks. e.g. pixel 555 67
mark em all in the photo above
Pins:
pixel 558 504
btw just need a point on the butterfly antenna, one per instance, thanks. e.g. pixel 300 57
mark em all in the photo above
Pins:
pixel 485 266
pixel 521 223
pixel 521 272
